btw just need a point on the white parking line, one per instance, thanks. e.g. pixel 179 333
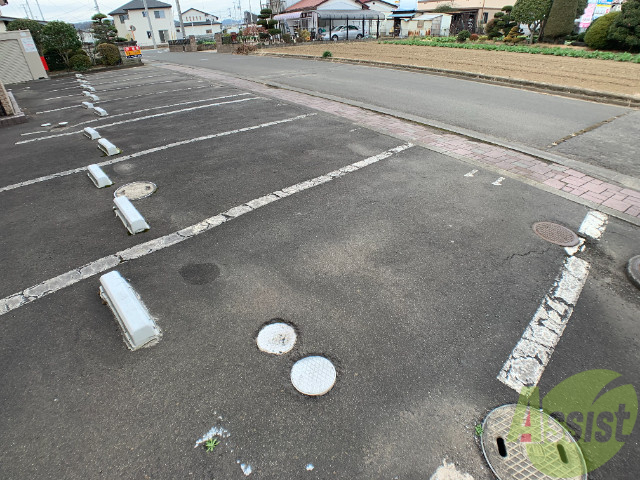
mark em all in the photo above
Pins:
pixel 103 264
pixel 532 353
pixel 498 182
pixel 77 85
pixel 156 108
pixel 147 117
pixel 152 150
pixel 58 109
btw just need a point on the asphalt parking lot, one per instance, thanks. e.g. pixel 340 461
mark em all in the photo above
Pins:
pixel 415 278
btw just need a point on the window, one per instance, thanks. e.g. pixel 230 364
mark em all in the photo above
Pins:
pixel 158 13
pixel 485 17
pixel 209 31
pixel 144 13
pixel 148 34
pixel 123 18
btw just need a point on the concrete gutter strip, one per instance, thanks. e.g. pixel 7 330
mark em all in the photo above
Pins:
pixel 573 92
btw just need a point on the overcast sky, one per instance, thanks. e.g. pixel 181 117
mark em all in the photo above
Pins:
pixel 82 10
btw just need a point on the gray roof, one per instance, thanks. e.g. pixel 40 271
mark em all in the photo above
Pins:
pixel 138 5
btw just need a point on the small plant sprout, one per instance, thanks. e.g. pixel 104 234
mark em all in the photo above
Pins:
pixel 478 430
pixel 327 54
pixel 211 444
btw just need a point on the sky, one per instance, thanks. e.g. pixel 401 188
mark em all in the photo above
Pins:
pixel 82 10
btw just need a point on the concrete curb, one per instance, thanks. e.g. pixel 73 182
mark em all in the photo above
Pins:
pixel 18 116
pixel 571 92
pixel 633 270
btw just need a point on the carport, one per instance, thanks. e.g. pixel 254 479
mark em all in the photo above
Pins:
pixel 321 21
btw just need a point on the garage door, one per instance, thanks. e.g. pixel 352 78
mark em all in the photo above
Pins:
pixel 13 66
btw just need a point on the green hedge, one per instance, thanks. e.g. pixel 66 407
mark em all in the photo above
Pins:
pixel 596 36
pixel 556 51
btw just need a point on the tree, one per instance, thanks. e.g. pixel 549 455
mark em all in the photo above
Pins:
pixel 34 27
pixel 501 23
pixel 531 13
pixel 104 31
pixel 443 8
pixel 61 38
pixel 625 30
pixel 596 36
pixel 561 19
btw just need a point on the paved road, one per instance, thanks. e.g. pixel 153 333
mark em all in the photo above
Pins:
pixel 414 274
pixel 506 114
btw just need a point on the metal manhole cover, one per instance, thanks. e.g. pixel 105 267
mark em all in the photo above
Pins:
pixel 555 233
pixel 523 459
pixel 276 338
pixel 313 375
pixel 136 190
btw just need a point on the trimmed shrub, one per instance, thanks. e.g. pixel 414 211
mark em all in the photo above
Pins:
pixel 110 53
pixel 275 31
pixel 54 61
pixel 305 35
pixel 463 36
pixel 625 29
pixel 286 38
pixel 513 36
pixel 245 49
pixel 327 54
pixel 561 20
pixel 474 37
pixel 596 35
pixel 80 63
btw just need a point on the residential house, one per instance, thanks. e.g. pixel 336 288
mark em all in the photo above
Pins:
pixel 469 15
pixel 319 16
pixel 4 21
pixel 132 23
pixel 196 22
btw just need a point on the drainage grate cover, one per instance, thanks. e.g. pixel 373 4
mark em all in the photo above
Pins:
pixel 555 233
pixel 136 190
pixel 526 460
pixel 276 338
pixel 313 375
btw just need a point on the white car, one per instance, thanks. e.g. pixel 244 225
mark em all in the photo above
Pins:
pixel 340 33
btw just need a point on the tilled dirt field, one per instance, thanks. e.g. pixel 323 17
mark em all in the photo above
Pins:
pixel 600 75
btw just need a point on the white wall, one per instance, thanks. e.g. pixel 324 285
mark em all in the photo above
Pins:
pixel 201 29
pixel 141 25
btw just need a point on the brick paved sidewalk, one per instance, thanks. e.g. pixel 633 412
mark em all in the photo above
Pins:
pixel 589 190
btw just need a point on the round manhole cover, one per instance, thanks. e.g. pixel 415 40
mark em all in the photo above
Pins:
pixel 313 375
pixel 557 234
pixel 633 270
pixel 556 457
pixel 136 190
pixel 276 338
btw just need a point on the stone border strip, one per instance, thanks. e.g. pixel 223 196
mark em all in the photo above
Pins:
pixel 566 91
pixel 615 200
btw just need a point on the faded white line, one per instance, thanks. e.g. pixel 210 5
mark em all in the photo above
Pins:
pixel 498 182
pixel 65 96
pixel 593 225
pixel 152 150
pixel 146 117
pixel 58 109
pixel 103 264
pixel 161 106
pixel 532 353
pixel 471 173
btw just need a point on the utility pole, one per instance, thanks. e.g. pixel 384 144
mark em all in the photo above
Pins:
pixel 95 2
pixel 153 35
pixel 29 7
pixel 184 34
pixel 41 15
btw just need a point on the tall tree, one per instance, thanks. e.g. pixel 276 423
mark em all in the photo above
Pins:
pixel 34 27
pixel 531 13
pixel 625 30
pixel 561 19
pixel 62 38
pixel 104 31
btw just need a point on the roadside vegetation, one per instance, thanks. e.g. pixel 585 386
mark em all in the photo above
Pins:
pixel 452 42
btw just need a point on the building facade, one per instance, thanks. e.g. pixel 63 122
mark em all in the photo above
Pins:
pixel 196 22
pixel 132 23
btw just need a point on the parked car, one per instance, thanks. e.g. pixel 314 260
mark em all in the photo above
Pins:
pixel 340 33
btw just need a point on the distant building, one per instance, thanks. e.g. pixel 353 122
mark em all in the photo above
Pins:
pixel 196 22
pixel 465 14
pixel 4 21
pixel 131 21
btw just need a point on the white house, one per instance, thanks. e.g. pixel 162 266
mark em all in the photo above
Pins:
pixel 132 22
pixel 196 22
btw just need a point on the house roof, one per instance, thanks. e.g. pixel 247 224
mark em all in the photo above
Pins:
pixel 313 4
pixel 196 10
pixel 138 5
pixel 11 19
pixel 380 1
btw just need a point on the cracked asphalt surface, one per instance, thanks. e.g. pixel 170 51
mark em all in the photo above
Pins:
pixel 416 281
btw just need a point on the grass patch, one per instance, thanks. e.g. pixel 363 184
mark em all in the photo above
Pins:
pixel 450 42
pixel 211 444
